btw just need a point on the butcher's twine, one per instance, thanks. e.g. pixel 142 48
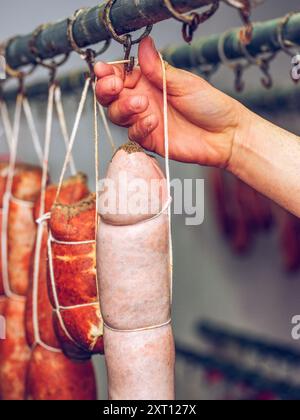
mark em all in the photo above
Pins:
pixel 8 131
pixel 12 134
pixel 96 108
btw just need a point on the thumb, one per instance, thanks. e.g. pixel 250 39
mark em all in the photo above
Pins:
pixel 151 67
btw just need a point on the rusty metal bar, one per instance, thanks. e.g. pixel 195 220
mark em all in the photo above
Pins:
pixel 126 16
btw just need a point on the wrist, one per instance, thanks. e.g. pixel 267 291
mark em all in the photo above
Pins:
pixel 242 137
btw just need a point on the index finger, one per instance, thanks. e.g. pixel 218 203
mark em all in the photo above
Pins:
pixel 104 69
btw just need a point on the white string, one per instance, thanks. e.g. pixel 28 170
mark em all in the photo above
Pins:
pixel 73 135
pixel 136 62
pixel 21 103
pixel 32 129
pixel 63 125
pixel 151 327
pixel 55 296
pixel 6 200
pixel 107 128
pixel 88 242
pixel 8 131
pixel 23 203
pixel 41 227
pixel 167 165
pixel 51 239
pixel 104 119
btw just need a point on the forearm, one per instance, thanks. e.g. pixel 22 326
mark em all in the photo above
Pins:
pixel 268 158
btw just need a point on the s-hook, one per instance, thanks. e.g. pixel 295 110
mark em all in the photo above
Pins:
pixel 89 54
pixel 126 40
pixel 192 21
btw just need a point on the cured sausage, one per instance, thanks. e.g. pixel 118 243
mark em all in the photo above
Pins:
pixel 51 375
pixel 73 189
pixel 134 273
pixel 3 178
pixel 230 211
pixel 240 210
pixel 72 278
pixel 21 226
pixel 14 351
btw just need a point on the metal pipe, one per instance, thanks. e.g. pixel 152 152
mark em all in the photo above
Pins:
pixel 126 15
pixel 238 374
pixel 205 50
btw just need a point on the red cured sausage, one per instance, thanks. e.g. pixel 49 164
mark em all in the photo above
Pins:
pixel 73 189
pixel 14 351
pixel 72 279
pixel 3 177
pixel 133 264
pixel 51 375
pixel 230 212
pixel 21 226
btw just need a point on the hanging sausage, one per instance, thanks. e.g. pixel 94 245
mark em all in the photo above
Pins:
pixel 72 278
pixel 134 273
pixel 21 232
pixel 3 178
pixel 51 375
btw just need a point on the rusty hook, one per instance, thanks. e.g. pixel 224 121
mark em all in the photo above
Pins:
pixel 126 40
pixel 192 21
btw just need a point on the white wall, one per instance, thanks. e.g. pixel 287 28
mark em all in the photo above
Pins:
pixel 252 293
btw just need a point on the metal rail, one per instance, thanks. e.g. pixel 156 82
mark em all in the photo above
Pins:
pixel 89 28
pixel 206 50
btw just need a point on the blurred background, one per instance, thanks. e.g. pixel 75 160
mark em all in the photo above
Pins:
pixel 234 299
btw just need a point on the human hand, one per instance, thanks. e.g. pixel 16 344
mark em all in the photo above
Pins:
pixel 203 122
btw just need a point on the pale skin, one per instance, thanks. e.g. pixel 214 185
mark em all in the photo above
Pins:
pixel 206 126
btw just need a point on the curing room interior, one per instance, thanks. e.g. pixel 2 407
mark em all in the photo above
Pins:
pixel 186 286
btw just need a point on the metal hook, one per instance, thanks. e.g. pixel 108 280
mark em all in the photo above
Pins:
pixel 89 54
pixel 285 44
pixel 244 7
pixel 192 21
pixel 239 83
pixel 14 73
pixel 126 40
pixel 263 63
pixel 53 65
pixel 238 68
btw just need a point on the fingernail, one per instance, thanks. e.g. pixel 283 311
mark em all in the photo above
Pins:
pixel 113 84
pixel 137 101
pixel 149 122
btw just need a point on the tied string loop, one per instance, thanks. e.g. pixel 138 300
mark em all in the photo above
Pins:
pixel 41 227
pixel 7 127
pixel 73 135
pixel 54 98
pixel 63 125
pixel 58 307
pixel 6 200
pixel 14 131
